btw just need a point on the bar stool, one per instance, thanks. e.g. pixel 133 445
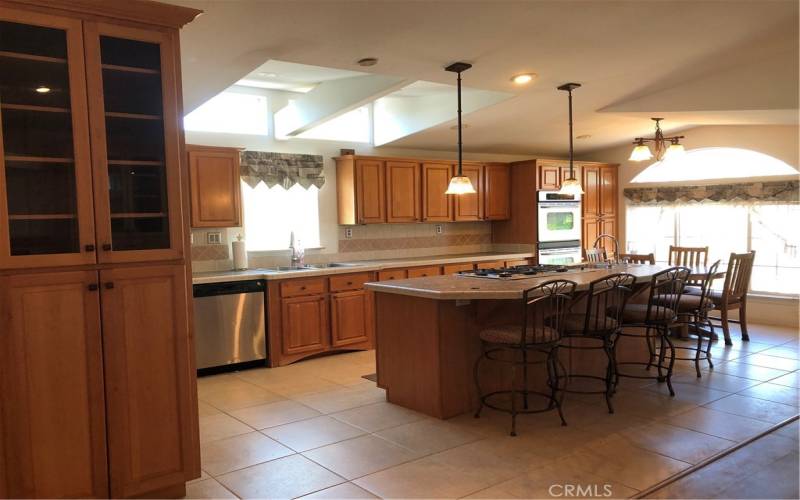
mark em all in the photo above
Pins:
pixel 658 314
pixel 595 328
pixel 543 310
pixel 693 311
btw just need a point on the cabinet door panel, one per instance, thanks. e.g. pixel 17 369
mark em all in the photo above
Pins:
pixel 470 206
pixel 549 177
pixel 370 192
pixel 53 415
pixel 608 191
pixel 392 274
pixel 304 322
pixel 591 192
pixel 436 206
pixel 421 272
pixel 135 142
pixel 147 366
pixel 46 214
pixel 497 204
pixel 350 318
pixel 591 230
pixel 215 187
pixel 608 226
pixel 402 191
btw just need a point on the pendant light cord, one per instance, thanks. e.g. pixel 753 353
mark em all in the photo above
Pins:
pixel 571 173
pixel 459 124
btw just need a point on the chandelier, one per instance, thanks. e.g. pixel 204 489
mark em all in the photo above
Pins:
pixel 665 147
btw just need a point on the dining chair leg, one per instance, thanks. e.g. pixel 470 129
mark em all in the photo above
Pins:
pixel 743 319
pixel 552 380
pixel 607 347
pixel 671 363
pixel 708 344
pixel 699 349
pixel 525 379
pixel 650 349
pixel 661 350
pixel 725 329
pixel 476 377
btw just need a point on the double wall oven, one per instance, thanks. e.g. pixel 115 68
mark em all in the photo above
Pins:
pixel 559 225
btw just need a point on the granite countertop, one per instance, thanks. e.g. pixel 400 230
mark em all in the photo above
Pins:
pixel 459 287
pixel 351 267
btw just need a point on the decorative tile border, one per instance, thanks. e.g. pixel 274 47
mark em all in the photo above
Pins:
pixel 446 240
pixel 210 252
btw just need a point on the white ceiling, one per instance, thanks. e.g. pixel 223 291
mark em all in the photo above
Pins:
pixel 692 62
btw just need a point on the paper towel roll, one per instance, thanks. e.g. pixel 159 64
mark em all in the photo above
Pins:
pixel 239 255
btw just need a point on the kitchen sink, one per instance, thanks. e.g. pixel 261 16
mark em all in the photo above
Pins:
pixel 330 265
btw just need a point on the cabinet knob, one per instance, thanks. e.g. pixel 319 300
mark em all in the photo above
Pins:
pixel 302 287
pixel 92 287
pixel 107 247
pixel 109 285
pixel 349 283
pixel 89 248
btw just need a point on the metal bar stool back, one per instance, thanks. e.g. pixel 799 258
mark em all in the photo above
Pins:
pixel 596 327
pixel 658 315
pixel 533 341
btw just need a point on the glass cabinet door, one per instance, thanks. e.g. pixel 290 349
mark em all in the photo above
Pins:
pixel 45 176
pixel 135 143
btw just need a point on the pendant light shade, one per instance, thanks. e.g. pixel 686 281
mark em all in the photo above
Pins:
pixel 459 183
pixel 641 152
pixel 675 150
pixel 570 185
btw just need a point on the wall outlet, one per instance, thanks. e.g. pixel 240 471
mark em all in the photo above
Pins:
pixel 439 229
pixel 214 238
pixel 348 233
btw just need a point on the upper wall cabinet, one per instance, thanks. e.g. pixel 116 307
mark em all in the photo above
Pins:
pixel 374 190
pixel 91 146
pixel 215 187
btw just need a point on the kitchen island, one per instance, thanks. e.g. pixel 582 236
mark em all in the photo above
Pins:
pixel 427 335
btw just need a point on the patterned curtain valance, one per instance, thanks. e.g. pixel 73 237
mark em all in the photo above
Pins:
pixel 285 169
pixel 767 192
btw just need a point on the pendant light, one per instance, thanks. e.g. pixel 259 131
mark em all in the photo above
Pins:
pixel 459 184
pixel 571 184
pixel 641 151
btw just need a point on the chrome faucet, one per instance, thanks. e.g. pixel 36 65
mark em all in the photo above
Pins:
pixel 295 251
pixel 616 245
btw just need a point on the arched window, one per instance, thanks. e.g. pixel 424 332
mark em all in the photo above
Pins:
pixel 714 163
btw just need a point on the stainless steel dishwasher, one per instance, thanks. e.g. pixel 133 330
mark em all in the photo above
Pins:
pixel 230 325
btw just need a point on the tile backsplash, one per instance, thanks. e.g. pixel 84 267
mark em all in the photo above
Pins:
pixel 368 242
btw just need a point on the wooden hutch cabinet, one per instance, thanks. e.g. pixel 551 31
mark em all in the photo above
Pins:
pixel 96 360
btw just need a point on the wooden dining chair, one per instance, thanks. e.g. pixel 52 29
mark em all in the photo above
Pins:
pixel 688 256
pixel 734 293
pixel 638 258
pixel 596 255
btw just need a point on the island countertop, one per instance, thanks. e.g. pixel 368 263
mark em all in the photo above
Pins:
pixel 459 287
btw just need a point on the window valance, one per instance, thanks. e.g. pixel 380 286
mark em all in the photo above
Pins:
pixel 285 169
pixel 767 192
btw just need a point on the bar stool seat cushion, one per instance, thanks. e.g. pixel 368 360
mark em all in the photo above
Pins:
pixel 574 323
pixel 637 313
pixel 510 334
pixel 688 303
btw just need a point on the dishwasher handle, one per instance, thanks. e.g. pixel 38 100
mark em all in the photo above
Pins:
pixel 228 288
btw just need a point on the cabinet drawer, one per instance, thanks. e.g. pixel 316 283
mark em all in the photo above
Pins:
pixel 296 288
pixel 349 281
pixel 490 265
pixel 519 262
pixel 392 274
pixel 454 268
pixel 419 272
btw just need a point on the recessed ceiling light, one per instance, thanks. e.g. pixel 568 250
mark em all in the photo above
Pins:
pixel 42 89
pixel 368 61
pixel 523 78
pixel 583 136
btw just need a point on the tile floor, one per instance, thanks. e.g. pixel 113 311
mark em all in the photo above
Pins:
pixel 318 429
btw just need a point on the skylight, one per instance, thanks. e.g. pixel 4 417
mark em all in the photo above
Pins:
pixel 231 112
pixel 352 126
pixel 715 163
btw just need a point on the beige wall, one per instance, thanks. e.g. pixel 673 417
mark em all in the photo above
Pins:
pixel 780 141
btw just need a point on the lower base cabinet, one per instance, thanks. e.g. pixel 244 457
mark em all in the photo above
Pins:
pixel 351 317
pixel 91 414
pixel 305 324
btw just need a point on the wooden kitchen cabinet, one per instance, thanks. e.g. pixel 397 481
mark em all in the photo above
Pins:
pixel 549 176
pixel 599 209
pixel 470 206
pixel 99 395
pixel 403 191
pixel 455 268
pixel 351 316
pixel 436 206
pixel 146 362
pixel 497 191
pixel 215 186
pixel 53 413
pixel 305 324
pixel 392 274
pixel 371 196
pixel 424 271
pixel 493 264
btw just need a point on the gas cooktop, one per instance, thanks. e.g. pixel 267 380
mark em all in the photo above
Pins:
pixel 516 272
